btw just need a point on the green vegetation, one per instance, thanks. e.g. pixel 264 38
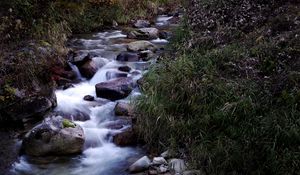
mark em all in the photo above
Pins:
pixel 229 106
pixel 68 124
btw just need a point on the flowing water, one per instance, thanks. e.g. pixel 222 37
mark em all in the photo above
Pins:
pixel 100 156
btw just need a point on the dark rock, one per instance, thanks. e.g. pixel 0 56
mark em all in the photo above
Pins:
pixel 127 56
pixel 88 69
pixel 124 69
pixel 114 74
pixel 164 35
pixel 141 24
pixel 89 98
pixel 125 138
pixel 54 136
pixel 67 86
pixel 115 89
pixel 123 109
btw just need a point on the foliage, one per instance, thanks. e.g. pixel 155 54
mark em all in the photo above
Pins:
pixel 233 108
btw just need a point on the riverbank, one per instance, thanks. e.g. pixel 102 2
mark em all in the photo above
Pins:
pixel 227 101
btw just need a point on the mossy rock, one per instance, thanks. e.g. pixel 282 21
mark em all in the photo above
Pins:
pixel 68 124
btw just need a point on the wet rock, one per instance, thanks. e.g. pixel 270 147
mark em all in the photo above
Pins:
pixel 178 165
pixel 159 161
pixel 79 56
pixel 61 82
pixel 140 165
pixel 152 172
pixel 144 34
pixel 125 138
pixel 127 56
pixel 141 46
pixel 164 35
pixel 89 98
pixel 115 89
pixel 124 69
pixel 141 24
pixel 88 69
pixel 54 136
pixel 146 55
pixel 67 86
pixel 114 74
pixel 123 109
pixel 119 124
pixel 31 109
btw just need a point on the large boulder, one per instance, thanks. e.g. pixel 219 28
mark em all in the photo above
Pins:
pixel 127 56
pixel 141 24
pixel 141 46
pixel 31 109
pixel 54 136
pixel 115 89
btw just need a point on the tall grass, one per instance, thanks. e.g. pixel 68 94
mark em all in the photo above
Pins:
pixel 227 110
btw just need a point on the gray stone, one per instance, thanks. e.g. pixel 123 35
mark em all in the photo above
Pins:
pixel 159 161
pixel 54 136
pixel 127 56
pixel 140 165
pixel 141 46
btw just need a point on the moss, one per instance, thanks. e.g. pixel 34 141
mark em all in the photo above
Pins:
pixel 68 124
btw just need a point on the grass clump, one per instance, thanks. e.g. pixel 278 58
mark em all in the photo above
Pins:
pixel 229 108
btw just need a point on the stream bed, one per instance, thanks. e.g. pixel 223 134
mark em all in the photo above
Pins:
pixel 100 156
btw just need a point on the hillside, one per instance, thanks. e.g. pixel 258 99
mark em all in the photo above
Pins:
pixel 227 100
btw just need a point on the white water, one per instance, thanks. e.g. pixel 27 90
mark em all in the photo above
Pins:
pixel 100 155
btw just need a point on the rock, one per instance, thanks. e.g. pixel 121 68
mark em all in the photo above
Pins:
pixel 141 46
pixel 125 138
pixel 54 136
pixel 151 32
pixel 88 69
pixel 163 169
pixel 61 82
pixel 115 89
pixel 67 86
pixel 124 69
pixel 144 34
pixel 31 109
pixel 159 161
pixel 114 74
pixel 89 98
pixel 141 24
pixel 193 172
pixel 127 56
pixel 164 35
pixel 177 165
pixel 123 109
pixel 147 55
pixel 140 165
pixel 79 57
